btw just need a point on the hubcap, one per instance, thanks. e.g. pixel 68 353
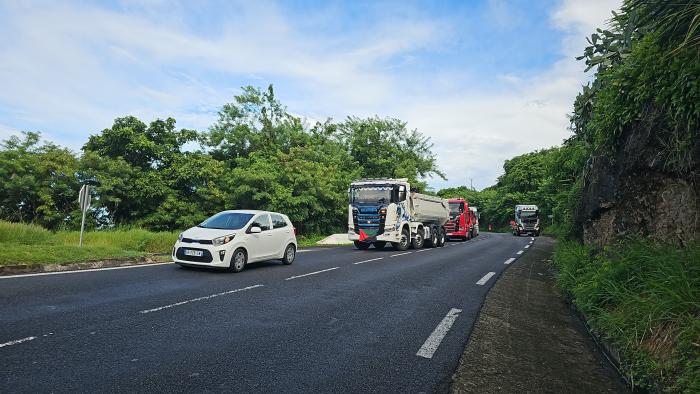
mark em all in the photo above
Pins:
pixel 239 261
pixel 290 254
pixel 404 240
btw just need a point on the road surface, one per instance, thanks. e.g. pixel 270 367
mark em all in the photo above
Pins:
pixel 337 320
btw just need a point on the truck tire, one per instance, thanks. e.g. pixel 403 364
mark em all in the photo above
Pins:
pixel 441 237
pixel 418 241
pixel 433 242
pixel 379 244
pixel 404 242
pixel 361 245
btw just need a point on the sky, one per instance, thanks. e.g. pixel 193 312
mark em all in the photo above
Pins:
pixel 485 80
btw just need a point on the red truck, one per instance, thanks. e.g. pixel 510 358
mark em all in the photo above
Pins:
pixel 463 221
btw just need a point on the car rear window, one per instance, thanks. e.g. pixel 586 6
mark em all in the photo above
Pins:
pixel 278 221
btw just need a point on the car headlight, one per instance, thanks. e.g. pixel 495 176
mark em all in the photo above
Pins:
pixel 179 238
pixel 222 240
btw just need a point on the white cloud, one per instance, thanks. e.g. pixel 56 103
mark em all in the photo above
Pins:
pixel 73 69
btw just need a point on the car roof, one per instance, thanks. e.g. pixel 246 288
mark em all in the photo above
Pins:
pixel 251 211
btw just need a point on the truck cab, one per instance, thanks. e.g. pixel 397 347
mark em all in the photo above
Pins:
pixel 527 220
pixel 386 210
pixel 461 223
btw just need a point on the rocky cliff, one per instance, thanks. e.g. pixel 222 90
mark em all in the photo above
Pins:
pixel 633 192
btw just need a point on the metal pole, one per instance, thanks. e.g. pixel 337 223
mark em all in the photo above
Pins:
pixel 82 227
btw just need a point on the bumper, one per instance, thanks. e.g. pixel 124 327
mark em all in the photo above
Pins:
pixel 462 233
pixel 388 236
pixel 211 256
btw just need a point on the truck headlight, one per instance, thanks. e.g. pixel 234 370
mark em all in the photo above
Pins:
pixel 222 240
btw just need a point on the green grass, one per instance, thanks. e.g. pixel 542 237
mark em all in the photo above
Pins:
pixel 645 298
pixel 31 244
pixel 309 239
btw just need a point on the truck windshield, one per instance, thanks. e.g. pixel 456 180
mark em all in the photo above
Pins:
pixel 227 221
pixel 456 208
pixel 370 195
pixel 528 214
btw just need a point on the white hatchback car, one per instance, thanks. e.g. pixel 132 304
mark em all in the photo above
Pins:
pixel 232 239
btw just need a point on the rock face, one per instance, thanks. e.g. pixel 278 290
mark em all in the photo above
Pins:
pixel 633 192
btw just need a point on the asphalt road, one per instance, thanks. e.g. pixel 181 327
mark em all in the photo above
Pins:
pixel 374 326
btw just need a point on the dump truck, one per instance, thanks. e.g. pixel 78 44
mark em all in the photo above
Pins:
pixel 527 220
pixel 384 210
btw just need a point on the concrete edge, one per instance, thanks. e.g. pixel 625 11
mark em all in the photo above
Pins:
pixel 16 269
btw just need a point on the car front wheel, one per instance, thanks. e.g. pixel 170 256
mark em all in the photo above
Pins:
pixel 238 261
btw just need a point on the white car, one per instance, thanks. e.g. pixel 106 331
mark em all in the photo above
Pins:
pixel 232 239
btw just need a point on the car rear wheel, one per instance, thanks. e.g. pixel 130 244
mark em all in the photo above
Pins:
pixel 289 254
pixel 238 260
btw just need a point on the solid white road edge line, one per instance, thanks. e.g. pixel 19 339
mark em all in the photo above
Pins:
pixel 431 344
pixel 312 273
pixel 160 308
pixel 16 341
pixel 510 260
pixel 520 252
pixel 367 261
pixel 308 250
pixel 80 271
pixel 400 254
pixel 485 279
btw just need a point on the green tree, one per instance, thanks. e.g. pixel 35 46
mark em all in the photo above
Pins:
pixel 39 182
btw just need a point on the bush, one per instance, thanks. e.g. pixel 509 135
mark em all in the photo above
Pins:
pixel 645 298
pixel 23 233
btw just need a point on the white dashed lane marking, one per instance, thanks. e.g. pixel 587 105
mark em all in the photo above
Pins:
pixel 312 273
pixel 367 261
pixel 160 308
pixel 17 341
pixel 510 260
pixel 433 342
pixel 485 279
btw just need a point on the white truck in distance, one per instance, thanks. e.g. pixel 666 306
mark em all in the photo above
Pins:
pixel 386 210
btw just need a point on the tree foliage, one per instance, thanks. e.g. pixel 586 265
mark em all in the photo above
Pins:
pixel 255 156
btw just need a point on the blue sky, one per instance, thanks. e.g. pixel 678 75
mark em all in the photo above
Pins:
pixel 486 80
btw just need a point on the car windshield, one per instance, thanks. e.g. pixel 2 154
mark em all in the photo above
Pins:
pixel 371 195
pixel 227 221
pixel 456 208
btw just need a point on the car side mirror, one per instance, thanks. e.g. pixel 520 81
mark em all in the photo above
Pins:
pixel 255 230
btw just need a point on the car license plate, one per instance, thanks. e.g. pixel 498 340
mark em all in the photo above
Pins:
pixel 196 253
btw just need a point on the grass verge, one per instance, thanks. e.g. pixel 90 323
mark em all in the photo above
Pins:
pixel 644 297
pixel 32 245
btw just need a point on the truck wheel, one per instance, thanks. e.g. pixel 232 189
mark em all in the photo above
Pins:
pixel 433 237
pixel 441 237
pixel 418 240
pixel 361 245
pixel 404 242
pixel 379 244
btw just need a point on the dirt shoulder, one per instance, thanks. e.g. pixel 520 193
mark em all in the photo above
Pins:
pixel 527 339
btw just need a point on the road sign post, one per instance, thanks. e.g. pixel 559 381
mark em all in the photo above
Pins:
pixel 84 201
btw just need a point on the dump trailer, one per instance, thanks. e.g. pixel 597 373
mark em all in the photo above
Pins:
pixel 382 211
pixel 527 220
